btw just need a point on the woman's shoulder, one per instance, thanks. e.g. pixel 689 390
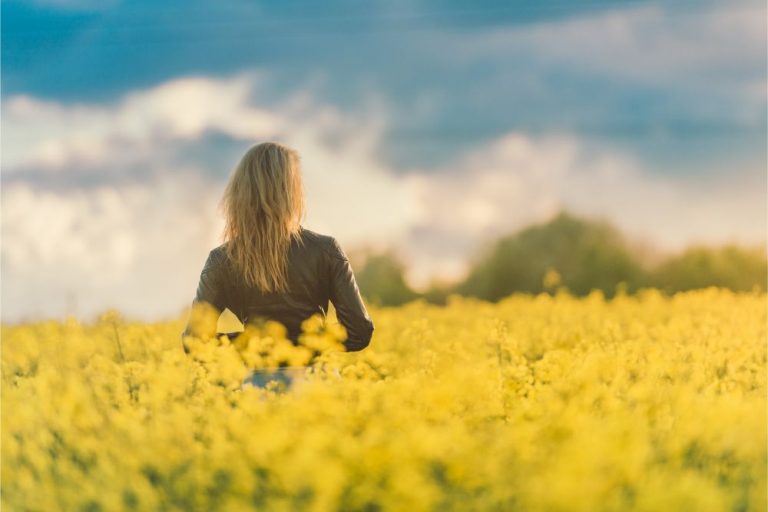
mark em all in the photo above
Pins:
pixel 325 242
pixel 218 254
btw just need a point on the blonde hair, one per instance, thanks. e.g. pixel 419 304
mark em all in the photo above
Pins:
pixel 263 207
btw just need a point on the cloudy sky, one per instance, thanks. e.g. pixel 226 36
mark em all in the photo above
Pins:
pixel 430 127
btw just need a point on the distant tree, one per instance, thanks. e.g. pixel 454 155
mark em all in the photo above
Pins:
pixel 577 253
pixel 381 280
pixel 737 268
pixel 438 292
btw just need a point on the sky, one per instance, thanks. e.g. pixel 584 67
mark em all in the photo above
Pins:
pixel 431 128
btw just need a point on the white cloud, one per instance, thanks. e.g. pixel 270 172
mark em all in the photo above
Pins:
pixel 135 247
pixel 85 232
pixel 718 47
pixel 140 246
pixel 46 134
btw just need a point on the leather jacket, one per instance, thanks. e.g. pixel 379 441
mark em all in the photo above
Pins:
pixel 318 271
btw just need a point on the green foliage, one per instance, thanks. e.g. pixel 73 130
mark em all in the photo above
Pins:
pixel 381 281
pixel 438 293
pixel 576 253
pixel 583 255
pixel 737 268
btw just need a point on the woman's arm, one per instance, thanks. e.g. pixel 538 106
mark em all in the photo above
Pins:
pixel 349 305
pixel 211 291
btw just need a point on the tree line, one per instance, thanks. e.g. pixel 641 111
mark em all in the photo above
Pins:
pixel 577 253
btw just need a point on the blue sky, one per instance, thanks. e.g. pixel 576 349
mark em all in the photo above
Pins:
pixel 451 122
pixel 96 51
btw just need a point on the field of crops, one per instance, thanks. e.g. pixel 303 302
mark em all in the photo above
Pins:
pixel 535 403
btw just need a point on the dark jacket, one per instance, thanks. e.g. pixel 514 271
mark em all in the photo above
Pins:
pixel 318 272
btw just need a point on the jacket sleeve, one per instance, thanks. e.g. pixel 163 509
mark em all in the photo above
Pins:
pixel 211 289
pixel 345 296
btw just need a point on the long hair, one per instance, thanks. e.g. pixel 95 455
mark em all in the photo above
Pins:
pixel 263 207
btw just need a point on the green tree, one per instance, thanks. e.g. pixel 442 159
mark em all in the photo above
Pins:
pixel 381 280
pixel 582 254
pixel 438 292
pixel 737 268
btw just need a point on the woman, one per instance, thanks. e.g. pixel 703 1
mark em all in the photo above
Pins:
pixel 270 266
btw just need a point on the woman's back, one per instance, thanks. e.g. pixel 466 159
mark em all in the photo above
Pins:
pixel 317 272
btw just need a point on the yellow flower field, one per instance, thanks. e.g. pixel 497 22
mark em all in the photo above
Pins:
pixel 641 402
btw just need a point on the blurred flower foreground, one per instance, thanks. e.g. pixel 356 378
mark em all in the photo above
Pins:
pixel 538 402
